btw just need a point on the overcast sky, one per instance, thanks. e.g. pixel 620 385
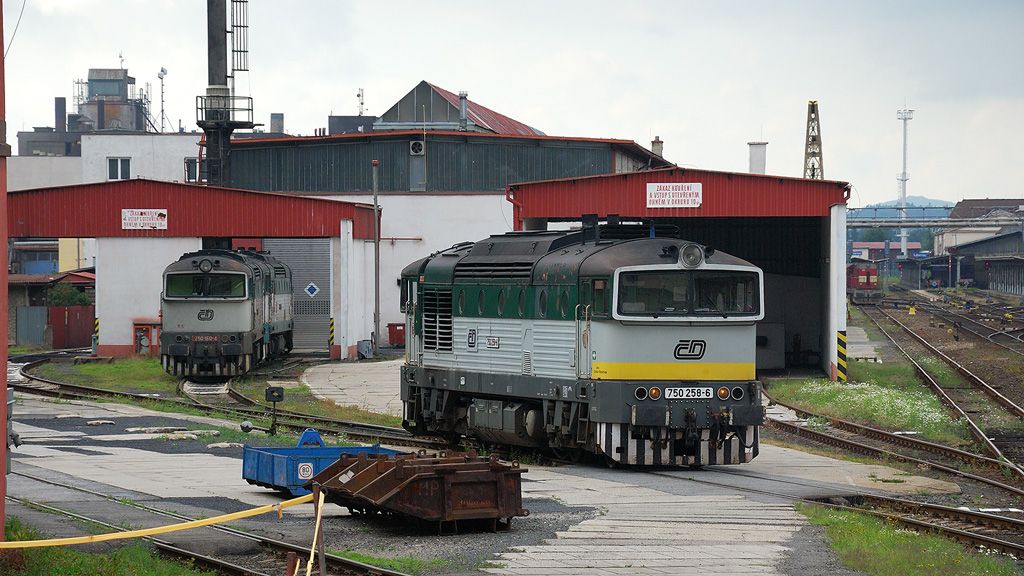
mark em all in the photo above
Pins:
pixel 706 77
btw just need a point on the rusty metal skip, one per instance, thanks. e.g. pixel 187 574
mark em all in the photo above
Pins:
pixel 443 488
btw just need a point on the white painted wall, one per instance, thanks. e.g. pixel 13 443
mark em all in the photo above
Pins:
pixel 128 281
pixel 154 156
pixel 835 289
pixel 439 222
pixel 25 172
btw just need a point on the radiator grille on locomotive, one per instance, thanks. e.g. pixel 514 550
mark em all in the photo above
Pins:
pixel 437 320
pixel 493 270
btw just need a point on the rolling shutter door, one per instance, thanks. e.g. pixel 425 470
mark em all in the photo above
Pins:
pixel 310 261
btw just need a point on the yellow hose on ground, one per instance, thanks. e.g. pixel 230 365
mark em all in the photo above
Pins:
pixel 159 529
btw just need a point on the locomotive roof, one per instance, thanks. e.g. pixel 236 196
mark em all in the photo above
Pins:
pixel 553 256
pixel 236 260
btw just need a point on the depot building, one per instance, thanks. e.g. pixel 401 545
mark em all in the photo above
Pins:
pixel 141 226
pixel 794 229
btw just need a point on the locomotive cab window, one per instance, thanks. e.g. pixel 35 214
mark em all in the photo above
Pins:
pixel 205 286
pixel 600 297
pixel 658 293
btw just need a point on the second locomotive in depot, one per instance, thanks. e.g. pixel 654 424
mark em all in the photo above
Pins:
pixel 638 349
pixel 223 312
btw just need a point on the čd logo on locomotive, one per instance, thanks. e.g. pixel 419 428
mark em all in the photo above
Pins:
pixel 690 349
pixel 205 314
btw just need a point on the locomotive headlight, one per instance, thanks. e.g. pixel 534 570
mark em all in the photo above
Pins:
pixel 205 266
pixel 640 393
pixel 654 393
pixel 723 393
pixel 691 256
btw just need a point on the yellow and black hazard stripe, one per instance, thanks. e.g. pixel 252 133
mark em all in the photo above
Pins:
pixel 96 327
pixel 330 334
pixel 841 356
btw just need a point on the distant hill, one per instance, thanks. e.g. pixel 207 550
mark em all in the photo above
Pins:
pixel 917 207
pixel 914 201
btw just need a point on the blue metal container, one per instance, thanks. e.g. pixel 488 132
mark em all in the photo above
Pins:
pixel 287 469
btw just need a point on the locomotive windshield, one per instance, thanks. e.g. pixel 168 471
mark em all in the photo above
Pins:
pixel 205 286
pixel 658 293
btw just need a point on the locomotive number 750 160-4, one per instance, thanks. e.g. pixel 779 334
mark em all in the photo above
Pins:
pixel 688 393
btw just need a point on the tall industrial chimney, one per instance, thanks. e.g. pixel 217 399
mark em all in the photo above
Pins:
pixel 277 122
pixel 217 43
pixel 60 114
pixel 657 145
pixel 463 110
pixel 758 157
pixel 220 112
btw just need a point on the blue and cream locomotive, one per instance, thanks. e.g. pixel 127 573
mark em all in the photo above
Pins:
pixel 638 349
pixel 223 312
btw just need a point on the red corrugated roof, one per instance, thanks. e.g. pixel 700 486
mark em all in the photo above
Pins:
pixel 978 207
pixel 724 194
pixel 487 118
pixel 94 211
pixel 34 278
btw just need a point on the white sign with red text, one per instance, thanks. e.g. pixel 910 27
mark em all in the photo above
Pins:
pixel 143 219
pixel 674 195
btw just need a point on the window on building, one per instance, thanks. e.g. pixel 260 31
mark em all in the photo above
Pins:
pixel 191 169
pixel 119 168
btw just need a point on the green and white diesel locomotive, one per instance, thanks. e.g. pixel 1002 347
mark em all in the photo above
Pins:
pixel 223 312
pixel 639 349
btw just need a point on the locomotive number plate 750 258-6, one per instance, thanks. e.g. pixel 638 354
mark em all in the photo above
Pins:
pixel 688 393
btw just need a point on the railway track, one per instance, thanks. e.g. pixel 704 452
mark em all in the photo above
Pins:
pixel 844 435
pixel 1007 338
pixel 271 561
pixel 962 401
pixel 244 409
pixel 979 529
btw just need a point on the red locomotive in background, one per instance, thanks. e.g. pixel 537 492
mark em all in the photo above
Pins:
pixel 862 281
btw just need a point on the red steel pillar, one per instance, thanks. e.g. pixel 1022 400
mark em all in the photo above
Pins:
pixel 5 151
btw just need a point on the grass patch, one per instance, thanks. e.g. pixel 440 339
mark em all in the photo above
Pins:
pixel 302 400
pixel 19 350
pixel 877 548
pixel 131 560
pixel 408 564
pixel 124 375
pixel 885 395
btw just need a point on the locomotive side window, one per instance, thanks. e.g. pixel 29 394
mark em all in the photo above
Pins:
pixel 480 302
pixel 600 297
pixel 543 304
pixel 522 302
pixel 563 304
pixel 462 301
pixel 501 302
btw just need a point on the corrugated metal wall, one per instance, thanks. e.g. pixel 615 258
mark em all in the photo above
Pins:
pixel 453 163
pixel 310 261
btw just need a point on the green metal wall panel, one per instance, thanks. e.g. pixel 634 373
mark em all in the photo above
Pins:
pixel 453 164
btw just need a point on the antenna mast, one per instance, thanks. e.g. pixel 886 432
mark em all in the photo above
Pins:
pixel 904 116
pixel 361 101
pixel 163 115
pixel 813 167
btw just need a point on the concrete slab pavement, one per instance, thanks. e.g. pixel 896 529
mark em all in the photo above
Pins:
pixel 859 347
pixel 372 386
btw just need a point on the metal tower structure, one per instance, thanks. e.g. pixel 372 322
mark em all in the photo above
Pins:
pixel 904 116
pixel 219 112
pixel 813 167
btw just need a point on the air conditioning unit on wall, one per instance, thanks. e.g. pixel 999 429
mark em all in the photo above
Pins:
pixel 417 148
